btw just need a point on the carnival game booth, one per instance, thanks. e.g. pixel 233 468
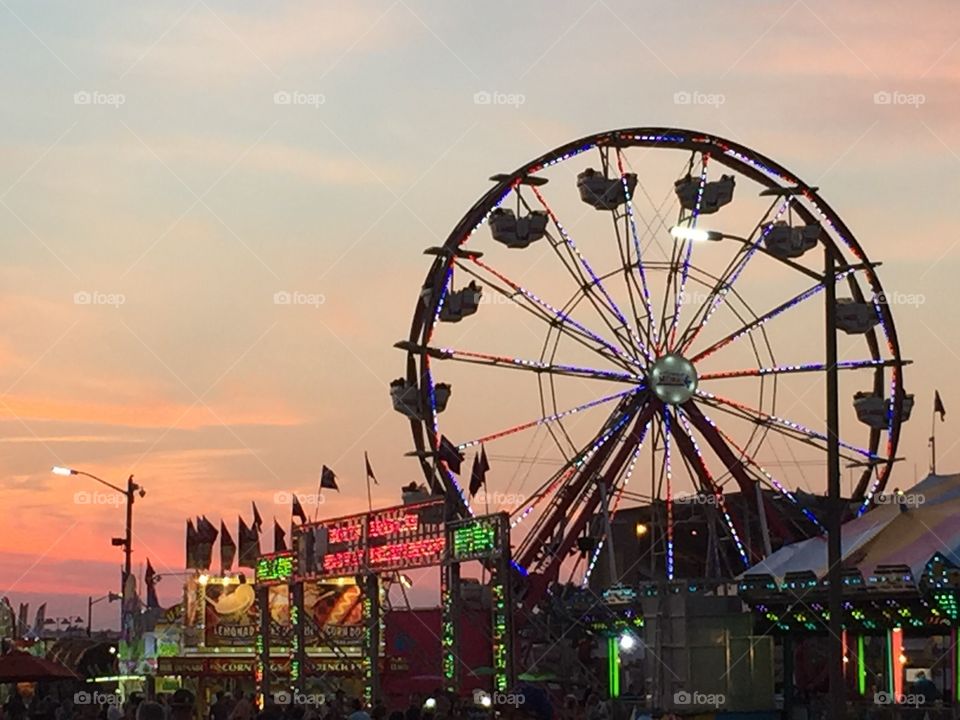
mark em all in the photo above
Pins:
pixel 901 587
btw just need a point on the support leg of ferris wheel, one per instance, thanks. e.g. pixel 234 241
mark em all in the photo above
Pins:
pixel 608 533
pixel 762 513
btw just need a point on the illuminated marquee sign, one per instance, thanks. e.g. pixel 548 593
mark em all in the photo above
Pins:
pixel 474 539
pixel 276 568
pixel 395 538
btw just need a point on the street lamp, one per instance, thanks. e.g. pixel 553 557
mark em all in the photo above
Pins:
pixel 126 542
pixel 91 601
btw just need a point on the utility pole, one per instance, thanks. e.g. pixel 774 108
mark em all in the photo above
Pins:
pixel 838 703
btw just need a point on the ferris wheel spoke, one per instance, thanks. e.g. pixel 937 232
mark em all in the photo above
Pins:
pixel 668 474
pixel 691 451
pixel 686 249
pixel 644 290
pixel 749 327
pixel 575 493
pixel 765 475
pixel 619 322
pixel 748 486
pixel 555 417
pixel 788 427
pixel 556 317
pixel 791 369
pixel 619 493
pixel 534 366
pixel 719 292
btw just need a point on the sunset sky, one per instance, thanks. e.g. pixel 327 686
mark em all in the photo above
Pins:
pixel 156 193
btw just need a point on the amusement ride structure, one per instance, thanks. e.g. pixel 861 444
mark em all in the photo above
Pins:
pixel 633 319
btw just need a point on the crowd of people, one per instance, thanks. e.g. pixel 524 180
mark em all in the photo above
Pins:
pixel 182 705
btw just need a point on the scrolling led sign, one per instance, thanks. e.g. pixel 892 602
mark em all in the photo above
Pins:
pixel 400 537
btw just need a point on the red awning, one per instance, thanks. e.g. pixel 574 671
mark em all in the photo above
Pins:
pixel 19 666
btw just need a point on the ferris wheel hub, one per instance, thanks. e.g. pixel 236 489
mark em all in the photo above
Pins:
pixel 673 379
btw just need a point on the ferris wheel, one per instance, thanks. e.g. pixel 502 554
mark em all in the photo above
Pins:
pixel 637 318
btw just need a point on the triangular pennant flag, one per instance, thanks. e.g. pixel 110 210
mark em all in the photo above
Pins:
pixel 191 561
pixel 257 520
pixel 328 479
pixel 450 454
pixel 228 548
pixel 150 580
pixel 206 536
pixel 279 537
pixel 370 475
pixel 938 405
pixel 296 509
pixel 249 541
pixel 478 474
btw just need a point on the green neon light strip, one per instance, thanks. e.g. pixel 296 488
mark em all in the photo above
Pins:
pixel 613 669
pixel 890 661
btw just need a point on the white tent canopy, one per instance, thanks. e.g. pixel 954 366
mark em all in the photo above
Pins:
pixel 925 521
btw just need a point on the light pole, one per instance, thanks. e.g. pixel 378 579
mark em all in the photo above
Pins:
pixel 837 697
pixel 130 493
pixel 91 601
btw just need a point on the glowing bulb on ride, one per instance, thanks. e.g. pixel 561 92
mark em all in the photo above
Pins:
pixel 628 641
pixel 641 529
pixel 693 234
